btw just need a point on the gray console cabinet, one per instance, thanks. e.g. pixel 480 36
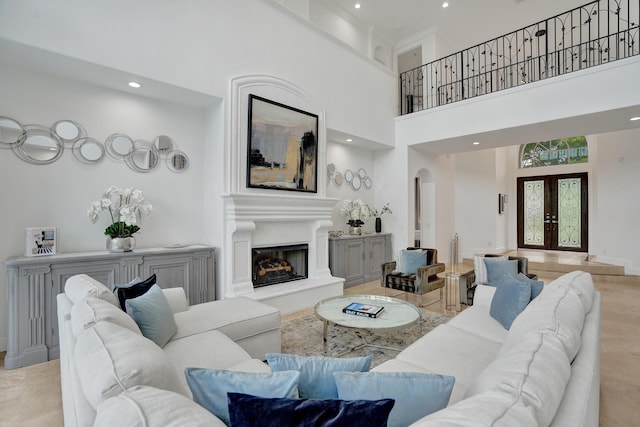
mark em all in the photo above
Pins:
pixel 34 282
pixel 359 259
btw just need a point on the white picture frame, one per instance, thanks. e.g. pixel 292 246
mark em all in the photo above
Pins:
pixel 41 241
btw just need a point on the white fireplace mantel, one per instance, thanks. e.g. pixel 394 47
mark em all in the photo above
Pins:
pixel 276 207
pixel 258 220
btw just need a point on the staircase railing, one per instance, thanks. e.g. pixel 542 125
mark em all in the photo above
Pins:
pixel 597 33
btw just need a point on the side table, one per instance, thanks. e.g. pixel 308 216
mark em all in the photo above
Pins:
pixel 452 291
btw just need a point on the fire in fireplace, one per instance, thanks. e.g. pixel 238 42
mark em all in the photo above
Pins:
pixel 279 264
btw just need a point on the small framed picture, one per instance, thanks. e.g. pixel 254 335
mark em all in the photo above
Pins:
pixel 41 241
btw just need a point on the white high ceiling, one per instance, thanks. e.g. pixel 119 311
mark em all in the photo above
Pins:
pixel 473 21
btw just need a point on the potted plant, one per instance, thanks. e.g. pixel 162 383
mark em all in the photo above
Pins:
pixel 126 208
pixel 355 212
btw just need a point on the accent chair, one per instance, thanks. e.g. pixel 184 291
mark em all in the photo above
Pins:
pixel 468 279
pixel 418 274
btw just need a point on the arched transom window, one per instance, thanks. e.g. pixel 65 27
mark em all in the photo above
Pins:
pixel 557 152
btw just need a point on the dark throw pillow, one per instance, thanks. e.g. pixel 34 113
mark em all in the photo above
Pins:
pixel 250 411
pixel 133 290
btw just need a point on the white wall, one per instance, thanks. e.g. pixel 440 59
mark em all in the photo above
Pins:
pixel 201 44
pixel 339 26
pixel 616 206
pixel 476 201
pixel 347 157
pixel 59 194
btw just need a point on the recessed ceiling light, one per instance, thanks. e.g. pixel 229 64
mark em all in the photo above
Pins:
pixel 135 84
pixel 633 119
pixel 445 4
pixel 349 140
pixel 357 6
pixel 476 143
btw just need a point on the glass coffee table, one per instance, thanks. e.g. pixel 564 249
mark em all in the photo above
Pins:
pixel 397 314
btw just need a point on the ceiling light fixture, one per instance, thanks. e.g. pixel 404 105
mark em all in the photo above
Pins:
pixel 357 6
pixel 135 84
pixel 633 119
pixel 476 143
pixel 445 4
pixel 349 140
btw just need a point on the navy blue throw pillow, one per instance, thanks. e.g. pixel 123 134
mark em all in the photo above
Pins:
pixel 252 411
pixel 134 291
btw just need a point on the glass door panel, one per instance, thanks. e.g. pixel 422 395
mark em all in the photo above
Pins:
pixel 534 213
pixel 569 213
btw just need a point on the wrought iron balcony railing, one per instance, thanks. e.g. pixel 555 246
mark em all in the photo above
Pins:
pixel 599 32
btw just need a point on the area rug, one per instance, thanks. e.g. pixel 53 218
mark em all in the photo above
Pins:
pixel 303 336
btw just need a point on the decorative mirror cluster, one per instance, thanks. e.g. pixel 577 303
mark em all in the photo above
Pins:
pixel 40 145
pixel 356 180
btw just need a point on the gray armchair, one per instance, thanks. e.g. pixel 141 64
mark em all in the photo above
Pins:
pixel 424 281
pixel 468 279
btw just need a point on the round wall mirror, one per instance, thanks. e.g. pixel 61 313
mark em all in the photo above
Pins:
pixel 163 144
pixel 88 150
pixel 177 161
pixel 118 146
pixel 67 130
pixel 143 158
pixel 40 146
pixel 10 132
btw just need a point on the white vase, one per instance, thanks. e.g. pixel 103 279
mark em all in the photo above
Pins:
pixel 121 244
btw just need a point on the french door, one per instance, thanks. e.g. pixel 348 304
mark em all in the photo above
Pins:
pixel 553 212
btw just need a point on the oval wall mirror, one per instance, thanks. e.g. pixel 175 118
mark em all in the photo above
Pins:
pixel 143 158
pixel 164 144
pixel 10 132
pixel 118 146
pixel 40 146
pixel 356 182
pixel 177 161
pixel 88 150
pixel 68 131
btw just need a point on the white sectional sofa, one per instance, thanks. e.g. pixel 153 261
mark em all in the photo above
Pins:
pixel 103 353
pixel 544 370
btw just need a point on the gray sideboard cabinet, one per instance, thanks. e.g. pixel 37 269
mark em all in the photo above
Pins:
pixel 358 259
pixel 34 282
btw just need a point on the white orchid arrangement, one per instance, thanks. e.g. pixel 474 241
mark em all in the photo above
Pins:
pixel 125 206
pixel 355 212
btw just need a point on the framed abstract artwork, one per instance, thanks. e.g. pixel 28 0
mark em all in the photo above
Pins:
pixel 282 147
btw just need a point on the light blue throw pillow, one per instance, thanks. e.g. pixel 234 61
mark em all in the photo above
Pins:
pixel 152 313
pixel 210 387
pixel 416 394
pixel 412 259
pixel 316 372
pixel 511 297
pixel 496 270
pixel 536 285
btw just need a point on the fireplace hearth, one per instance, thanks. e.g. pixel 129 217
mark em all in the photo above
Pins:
pixel 279 264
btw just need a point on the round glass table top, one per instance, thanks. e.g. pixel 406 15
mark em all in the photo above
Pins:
pixel 396 314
